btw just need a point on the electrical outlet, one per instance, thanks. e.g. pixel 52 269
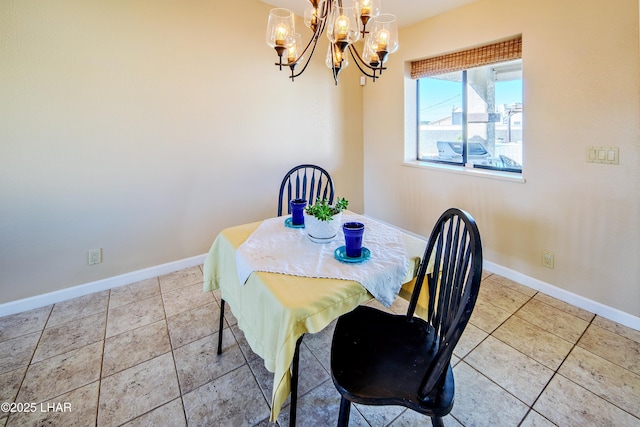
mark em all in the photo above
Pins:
pixel 94 256
pixel 547 259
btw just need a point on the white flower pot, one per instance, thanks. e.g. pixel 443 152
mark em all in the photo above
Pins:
pixel 322 231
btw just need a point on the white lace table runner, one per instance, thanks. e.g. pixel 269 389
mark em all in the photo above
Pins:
pixel 275 248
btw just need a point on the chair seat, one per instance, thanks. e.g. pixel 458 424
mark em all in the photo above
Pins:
pixel 393 356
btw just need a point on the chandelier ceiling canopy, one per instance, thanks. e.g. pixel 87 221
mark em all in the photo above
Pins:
pixel 345 22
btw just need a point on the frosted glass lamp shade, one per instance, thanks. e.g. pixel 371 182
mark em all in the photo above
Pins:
pixel 384 34
pixel 280 29
pixel 336 59
pixel 343 26
pixel 294 51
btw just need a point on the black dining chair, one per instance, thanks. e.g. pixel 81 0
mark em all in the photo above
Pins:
pixel 304 182
pixel 378 358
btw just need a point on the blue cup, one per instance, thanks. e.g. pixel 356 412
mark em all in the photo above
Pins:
pixel 297 211
pixel 353 232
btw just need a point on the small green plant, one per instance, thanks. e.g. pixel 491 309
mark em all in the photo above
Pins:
pixel 322 210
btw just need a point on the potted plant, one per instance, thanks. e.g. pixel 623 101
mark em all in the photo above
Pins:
pixel 322 220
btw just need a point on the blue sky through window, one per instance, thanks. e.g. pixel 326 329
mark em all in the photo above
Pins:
pixel 438 97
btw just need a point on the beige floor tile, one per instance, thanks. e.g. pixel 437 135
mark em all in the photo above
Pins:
pixel 320 344
pixel 501 295
pixel 77 308
pixel 378 305
pixel 242 342
pixel 185 299
pixel 454 360
pixel 17 352
pixel 480 402
pixel 471 337
pixel 134 292
pixel 311 371
pixel 229 318
pixel 264 379
pixel 141 344
pixel 170 414
pixel 534 419
pixel 540 345
pixel 617 328
pixel 612 347
pixel 374 415
pixel 24 323
pixel 567 404
pixel 60 374
pixel 9 386
pixel 197 363
pixel 571 309
pixel 518 374
pixel 512 285
pixel 137 390
pixel 217 294
pixel 130 316
pixel 180 279
pixel 231 400
pixel 311 374
pixel 411 418
pixel 71 335
pixel 400 306
pixel 191 325
pixel 487 316
pixel 554 320
pixel 320 408
pixel 605 379
pixel 76 408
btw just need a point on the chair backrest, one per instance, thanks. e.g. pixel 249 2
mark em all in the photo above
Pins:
pixel 453 286
pixel 305 182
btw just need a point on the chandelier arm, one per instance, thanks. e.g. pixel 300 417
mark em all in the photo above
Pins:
pixel 359 62
pixel 358 58
pixel 313 41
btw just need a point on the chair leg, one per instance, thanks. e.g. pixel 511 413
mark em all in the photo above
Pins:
pixel 437 422
pixel 221 326
pixel 345 409
pixel 294 383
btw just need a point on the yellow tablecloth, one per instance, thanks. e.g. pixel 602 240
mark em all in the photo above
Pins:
pixel 274 310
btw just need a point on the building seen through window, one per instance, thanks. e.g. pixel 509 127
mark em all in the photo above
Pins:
pixel 472 117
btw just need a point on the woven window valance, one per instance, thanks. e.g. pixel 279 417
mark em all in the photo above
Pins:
pixel 506 50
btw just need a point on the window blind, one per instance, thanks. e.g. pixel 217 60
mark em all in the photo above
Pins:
pixel 483 55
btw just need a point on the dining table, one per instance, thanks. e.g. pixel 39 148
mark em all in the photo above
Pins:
pixel 281 285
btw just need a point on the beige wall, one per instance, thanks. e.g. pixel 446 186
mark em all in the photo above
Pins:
pixel 145 127
pixel 581 88
pixel 125 126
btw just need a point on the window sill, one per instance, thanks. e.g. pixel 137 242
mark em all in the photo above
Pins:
pixel 476 172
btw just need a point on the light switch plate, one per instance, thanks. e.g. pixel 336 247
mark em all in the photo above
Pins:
pixel 600 154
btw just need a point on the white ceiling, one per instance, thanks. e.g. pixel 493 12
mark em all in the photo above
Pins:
pixel 407 11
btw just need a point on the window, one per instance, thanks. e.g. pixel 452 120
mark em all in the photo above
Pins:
pixel 470 115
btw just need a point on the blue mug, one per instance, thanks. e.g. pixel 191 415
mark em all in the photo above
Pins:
pixel 353 232
pixel 297 211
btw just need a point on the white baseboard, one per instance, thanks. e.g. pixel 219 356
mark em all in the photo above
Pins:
pixel 97 286
pixel 158 270
pixel 592 306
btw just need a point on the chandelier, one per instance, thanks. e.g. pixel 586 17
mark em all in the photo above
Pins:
pixel 345 22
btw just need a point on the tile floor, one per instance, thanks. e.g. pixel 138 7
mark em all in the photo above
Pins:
pixel 144 355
